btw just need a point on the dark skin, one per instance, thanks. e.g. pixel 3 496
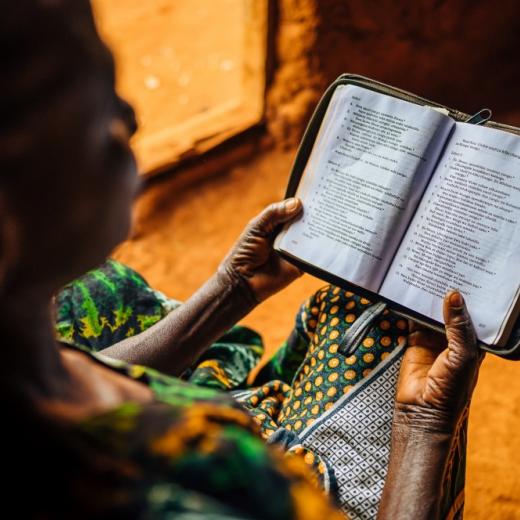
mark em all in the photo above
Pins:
pixel 69 205
pixel 437 378
pixel 249 274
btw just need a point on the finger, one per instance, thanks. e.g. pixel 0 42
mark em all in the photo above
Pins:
pixel 427 338
pixel 281 268
pixel 275 214
pixel 462 340
pixel 423 349
pixel 290 269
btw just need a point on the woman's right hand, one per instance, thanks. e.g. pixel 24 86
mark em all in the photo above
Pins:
pixel 436 382
pixel 439 372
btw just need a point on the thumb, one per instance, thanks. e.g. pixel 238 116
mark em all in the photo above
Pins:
pixel 462 340
pixel 275 214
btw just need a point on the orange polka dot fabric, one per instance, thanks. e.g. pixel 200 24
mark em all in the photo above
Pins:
pixel 312 370
pixel 323 372
pixel 326 373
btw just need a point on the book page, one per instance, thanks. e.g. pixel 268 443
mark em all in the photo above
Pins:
pixel 371 161
pixel 465 233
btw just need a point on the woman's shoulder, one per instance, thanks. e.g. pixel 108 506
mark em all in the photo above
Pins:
pixel 211 451
pixel 159 459
pixel 190 450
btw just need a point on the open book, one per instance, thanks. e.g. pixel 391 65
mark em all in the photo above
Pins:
pixel 403 201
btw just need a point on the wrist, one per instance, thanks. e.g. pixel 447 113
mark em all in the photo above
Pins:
pixel 421 443
pixel 229 280
pixel 423 420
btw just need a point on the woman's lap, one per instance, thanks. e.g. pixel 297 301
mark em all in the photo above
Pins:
pixel 329 352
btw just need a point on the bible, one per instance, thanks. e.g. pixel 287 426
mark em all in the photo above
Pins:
pixel 403 201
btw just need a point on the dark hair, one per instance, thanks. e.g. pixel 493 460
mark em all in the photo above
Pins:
pixel 44 45
pixel 46 48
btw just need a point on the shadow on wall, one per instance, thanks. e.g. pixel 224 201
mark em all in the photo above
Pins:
pixel 461 53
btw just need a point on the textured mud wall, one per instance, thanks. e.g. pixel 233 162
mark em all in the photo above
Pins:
pixel 462 53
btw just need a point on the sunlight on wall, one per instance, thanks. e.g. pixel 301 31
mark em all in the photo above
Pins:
pixel 193 69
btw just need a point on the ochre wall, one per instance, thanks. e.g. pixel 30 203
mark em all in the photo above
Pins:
pixel 461 53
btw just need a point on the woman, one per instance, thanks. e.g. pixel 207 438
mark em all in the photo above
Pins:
pixel 83 438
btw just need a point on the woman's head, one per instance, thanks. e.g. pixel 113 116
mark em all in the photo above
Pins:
pixel 67 176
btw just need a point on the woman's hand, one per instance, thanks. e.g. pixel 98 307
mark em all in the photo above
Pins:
pixel 436 379
pixel 251 272
pixel 253 259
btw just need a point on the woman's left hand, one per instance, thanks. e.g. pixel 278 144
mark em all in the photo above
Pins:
pixel 252 257
pixel 439 373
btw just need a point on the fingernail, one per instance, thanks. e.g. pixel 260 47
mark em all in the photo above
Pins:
pixel 456 299
pixel 291 204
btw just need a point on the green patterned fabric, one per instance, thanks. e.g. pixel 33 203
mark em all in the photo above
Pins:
pixel 113 302
pixel 228 362
pixel 107 305
pixel 208 452
pixel 287 359
pixel 194 453
pixel 303 379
